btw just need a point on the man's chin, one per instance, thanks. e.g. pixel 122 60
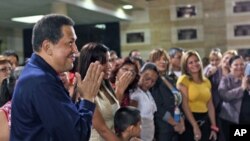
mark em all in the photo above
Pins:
pixel 68 68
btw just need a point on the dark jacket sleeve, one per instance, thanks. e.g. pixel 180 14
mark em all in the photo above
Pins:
pixel 60 117
pixel 164 100
pixel 5 95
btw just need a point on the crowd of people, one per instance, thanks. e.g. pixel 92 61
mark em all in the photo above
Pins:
pixel 63 94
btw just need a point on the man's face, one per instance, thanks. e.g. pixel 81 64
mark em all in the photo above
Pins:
pixel 136 54
pixel 13 61
pixel 176 60
pixel 64 52
pixel 5 70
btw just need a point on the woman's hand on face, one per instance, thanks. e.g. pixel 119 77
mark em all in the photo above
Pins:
pixel 123 82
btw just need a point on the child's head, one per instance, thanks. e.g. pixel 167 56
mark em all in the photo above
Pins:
pixel 127 119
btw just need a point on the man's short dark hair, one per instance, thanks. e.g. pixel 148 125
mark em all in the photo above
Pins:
pixel 49 28
pixel 11 53
pixel 130 53
pixel 173 51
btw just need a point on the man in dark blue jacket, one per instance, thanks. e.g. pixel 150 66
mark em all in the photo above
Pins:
pixel 41 107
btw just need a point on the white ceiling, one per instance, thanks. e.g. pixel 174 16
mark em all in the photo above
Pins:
pixel 100 11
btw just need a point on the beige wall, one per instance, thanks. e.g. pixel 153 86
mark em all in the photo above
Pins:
pixel 12 39
pixel 215 22
pixel 160 25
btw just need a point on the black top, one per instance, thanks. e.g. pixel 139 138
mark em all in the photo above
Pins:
pixel 165 102
pixel 245 112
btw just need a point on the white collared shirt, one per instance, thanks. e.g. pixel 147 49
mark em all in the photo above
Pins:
pixel 146 103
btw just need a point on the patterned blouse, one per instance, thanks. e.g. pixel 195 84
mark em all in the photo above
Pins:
pixel 6 108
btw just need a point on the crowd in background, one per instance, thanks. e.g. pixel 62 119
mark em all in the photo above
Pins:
pixel 170 96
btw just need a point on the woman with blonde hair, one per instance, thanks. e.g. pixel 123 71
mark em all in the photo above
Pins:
pixel 215 57
pixel 197 101
pixel 215 77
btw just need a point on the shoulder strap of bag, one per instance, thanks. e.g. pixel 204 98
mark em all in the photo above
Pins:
pixel 169 85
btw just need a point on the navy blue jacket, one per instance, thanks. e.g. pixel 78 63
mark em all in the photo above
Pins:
pixel 42 109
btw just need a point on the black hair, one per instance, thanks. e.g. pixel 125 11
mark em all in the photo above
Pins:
pixel 149 66
pixel 6 90
pixel 11 53
pixel 125 117
pixel 130 53
pixel 89 53
pixel 49 28
pixel 216 49
pixel 233 59
pixel 139 60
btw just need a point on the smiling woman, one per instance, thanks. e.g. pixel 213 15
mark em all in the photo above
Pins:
pixel 197 101
pixel 143 100
pixel 107 104
pixel 233 87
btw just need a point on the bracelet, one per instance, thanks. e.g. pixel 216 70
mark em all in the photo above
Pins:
pixel 214 128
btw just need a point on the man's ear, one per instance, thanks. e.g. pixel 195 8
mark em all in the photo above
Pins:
pixel 46 46
pixel 130 129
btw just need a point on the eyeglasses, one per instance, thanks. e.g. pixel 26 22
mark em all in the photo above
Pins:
pixel 113 59
pixel 127 69
pixel 5 69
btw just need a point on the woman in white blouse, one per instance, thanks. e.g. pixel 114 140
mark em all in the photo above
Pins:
pixel 142 99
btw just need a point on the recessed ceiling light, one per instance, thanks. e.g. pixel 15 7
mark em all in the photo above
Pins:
pixel 127 6
pixel 100 26
pixel 27 19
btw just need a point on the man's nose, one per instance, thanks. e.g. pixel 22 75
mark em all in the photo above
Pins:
pixel 75 49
